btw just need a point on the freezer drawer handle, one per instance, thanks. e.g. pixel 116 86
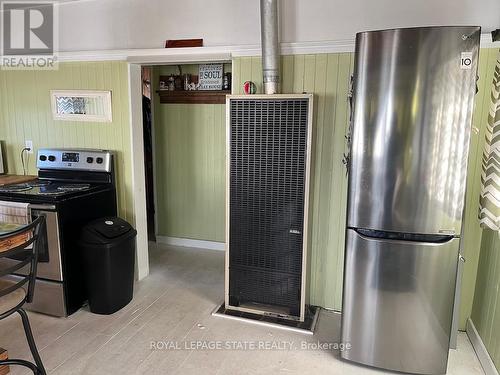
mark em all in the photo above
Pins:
pixel 396 236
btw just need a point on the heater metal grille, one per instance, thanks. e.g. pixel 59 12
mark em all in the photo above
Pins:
pixel 268 140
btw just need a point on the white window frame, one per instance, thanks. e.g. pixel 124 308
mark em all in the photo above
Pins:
pixel 103 95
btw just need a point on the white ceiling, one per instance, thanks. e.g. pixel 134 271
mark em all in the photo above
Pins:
pixel 124 24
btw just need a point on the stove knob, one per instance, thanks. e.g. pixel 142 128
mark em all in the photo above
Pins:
pixel 42 158
pixel 99 160
pixel 90 160
pixel 52 158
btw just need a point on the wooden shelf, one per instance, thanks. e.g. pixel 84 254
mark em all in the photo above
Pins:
pixel 193 97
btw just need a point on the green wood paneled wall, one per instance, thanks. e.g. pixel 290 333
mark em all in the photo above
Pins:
pixel 189 165
pixel 25 114
pixel 327 77
pixel 190 159
pixel 472 232
pixel 486 309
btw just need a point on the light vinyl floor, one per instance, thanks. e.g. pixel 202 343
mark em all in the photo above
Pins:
pixel 170 315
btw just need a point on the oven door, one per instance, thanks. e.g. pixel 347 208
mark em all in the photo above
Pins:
pixel 49 258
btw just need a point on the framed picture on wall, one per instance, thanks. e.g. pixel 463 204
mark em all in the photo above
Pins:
pixel 81 105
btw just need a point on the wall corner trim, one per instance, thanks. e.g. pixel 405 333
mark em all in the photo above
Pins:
pixel 480 349
pixel 188 242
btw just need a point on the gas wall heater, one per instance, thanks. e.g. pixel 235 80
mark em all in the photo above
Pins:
pixel 268 153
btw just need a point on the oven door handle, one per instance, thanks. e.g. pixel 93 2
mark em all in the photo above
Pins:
pixel 42 207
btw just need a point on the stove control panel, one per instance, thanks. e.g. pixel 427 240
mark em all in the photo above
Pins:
pixel 78 159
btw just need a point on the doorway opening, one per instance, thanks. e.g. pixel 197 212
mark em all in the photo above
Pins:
pixel 147 128
pixel 184 157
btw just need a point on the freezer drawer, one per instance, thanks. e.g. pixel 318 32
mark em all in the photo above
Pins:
pixel 398 303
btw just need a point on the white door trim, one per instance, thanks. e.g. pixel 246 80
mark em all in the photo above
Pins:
pixel 138 173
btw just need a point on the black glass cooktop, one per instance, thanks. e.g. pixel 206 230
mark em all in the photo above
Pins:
pixel 44 188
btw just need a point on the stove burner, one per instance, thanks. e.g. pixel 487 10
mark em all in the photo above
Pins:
pixel 38 183
pixel 62 189
pixel 50 192
pixel 73 187
pixel 15 188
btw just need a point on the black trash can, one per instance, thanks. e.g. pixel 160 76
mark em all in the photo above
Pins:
pixel 108 246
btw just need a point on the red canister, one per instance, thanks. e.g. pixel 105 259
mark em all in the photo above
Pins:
pixel 249 87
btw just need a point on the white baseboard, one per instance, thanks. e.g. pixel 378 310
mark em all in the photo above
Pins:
pixel 478 345
pixel 188 242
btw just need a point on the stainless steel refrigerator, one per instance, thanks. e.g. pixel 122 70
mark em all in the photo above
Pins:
pixel 413 93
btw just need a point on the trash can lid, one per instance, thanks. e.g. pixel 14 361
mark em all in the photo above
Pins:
pixel 105 230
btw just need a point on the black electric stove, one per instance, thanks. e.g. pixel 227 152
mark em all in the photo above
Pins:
pixel 73 188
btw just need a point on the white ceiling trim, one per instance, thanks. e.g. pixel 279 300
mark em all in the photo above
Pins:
pixel 216 53
pixel 302 48
pixel 219 53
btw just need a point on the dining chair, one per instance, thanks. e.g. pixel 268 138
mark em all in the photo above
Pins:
pixel 21 248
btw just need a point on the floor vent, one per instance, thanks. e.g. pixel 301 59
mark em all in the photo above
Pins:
pixel 307 326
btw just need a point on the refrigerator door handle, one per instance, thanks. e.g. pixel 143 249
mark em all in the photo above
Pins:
pixel 347 155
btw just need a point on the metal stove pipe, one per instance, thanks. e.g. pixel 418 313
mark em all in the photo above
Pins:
pixel 270 46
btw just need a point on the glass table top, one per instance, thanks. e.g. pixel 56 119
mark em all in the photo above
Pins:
pixel 6 228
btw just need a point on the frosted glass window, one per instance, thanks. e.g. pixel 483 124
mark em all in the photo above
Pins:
pixel 81 105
